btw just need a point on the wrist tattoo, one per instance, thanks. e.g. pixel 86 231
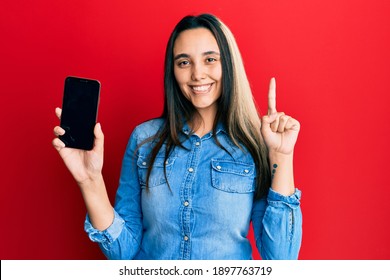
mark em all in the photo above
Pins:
pixel 274 166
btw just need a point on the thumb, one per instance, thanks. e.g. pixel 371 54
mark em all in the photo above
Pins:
pixel 266 121
pixel 99 137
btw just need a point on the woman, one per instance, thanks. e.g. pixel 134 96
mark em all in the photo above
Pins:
pixel 194 179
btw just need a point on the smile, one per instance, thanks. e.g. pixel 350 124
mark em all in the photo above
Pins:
pixel 201 88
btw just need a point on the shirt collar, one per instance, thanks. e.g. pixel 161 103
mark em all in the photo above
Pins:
pixel 220 128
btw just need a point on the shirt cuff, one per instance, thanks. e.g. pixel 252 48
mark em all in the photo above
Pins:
pixel 277 199
pixel 108 235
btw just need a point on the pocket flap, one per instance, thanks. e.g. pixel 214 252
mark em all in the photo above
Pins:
pixel 233 176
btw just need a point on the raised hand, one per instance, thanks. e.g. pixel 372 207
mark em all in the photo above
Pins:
pixel 83 165
pixel 280 131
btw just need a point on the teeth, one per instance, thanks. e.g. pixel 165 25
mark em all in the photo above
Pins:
pixel 201 88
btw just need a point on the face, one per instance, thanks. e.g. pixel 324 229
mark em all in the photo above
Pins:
pixel 197 68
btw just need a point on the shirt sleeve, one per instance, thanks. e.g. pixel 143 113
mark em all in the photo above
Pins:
pixel 107 236
pixel 277 224
pixel 122 239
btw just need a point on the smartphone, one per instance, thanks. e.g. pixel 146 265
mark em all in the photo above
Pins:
pixel 79 112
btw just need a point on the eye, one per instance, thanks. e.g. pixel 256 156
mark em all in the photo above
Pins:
pixel 211 59
pixel 183 63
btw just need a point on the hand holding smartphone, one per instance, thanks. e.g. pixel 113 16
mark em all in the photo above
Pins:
pixel 79 112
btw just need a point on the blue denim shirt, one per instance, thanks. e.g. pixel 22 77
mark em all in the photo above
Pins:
pixel 206 213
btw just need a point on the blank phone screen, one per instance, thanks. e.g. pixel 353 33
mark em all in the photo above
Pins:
pixel 79 112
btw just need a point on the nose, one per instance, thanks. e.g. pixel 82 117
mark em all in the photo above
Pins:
pixel 198 72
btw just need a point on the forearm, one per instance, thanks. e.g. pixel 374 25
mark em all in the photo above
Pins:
pixel 97 202
pixel 282 173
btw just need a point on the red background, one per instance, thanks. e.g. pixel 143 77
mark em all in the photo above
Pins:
pixel 331 61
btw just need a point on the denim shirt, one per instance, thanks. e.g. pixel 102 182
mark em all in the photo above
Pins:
pixel 204 213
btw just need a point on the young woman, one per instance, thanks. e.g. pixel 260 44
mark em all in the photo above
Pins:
pixel 194 179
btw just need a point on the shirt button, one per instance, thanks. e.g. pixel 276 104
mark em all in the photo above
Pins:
pixel 246 171
pixel 191 169
pixel 144 163
pixel 197 143
pixel 219 167
pixel 186 238
pixel 186 203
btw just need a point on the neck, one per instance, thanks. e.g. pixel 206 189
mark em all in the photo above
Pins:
pixel 203 122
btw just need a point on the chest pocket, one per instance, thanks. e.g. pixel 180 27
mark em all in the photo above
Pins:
pixel 157 176
pixel 232 176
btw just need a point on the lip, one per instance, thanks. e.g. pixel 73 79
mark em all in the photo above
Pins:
pixel 201 89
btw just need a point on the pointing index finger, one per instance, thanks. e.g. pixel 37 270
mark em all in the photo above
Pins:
pixel 272 97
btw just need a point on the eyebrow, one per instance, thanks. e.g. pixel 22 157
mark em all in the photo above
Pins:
pixel 184 55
